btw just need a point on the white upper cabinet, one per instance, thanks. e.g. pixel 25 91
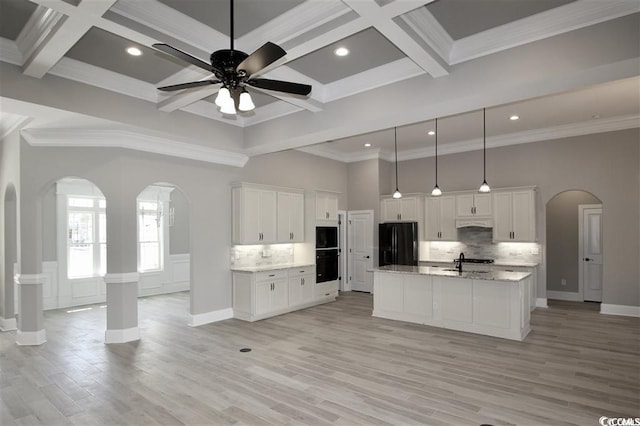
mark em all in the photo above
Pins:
pixel 290 217
pixel 264 215
pixel 440 218
pixel 514 216
pixel 473 205
pixel 254 215
pixel 326 206
pixel 405 209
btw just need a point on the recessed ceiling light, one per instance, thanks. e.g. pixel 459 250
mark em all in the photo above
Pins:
pixel 514 117
pixel 367 145
pixel 341 51
pixel 431 133
pixel 134 51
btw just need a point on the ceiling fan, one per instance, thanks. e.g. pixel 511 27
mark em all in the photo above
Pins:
pixel 235 70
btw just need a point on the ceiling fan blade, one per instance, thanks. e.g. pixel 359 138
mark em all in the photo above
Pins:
pixel 261 58
pixel 182 56
pixel 188 85
pixel 280 86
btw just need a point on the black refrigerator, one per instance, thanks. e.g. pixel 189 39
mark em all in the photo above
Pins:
pixel 398 243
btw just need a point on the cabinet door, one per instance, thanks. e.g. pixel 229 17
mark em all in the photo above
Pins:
pixel 448 230
pixel 268 216
pixel 279 295
pixel 409 209
pixel 502 216
pixel 432 218
pixel 262 300
pixel 252 223
pixel 296 217
pixel 284 217
pixel 388 291
pixel 464 205
pixel 308 281
pixel 482 204
pixel 523 216
pixel 295 291
pixel 390 210
pixel 332 206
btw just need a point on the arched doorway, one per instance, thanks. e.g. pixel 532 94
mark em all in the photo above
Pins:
pixel 574 229
pixel 8 295
pixel 164 248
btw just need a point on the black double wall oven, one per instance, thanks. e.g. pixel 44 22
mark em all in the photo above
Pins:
pixel 327 253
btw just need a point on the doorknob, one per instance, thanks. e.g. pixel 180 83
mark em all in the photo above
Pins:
pixel 367 257
pixel 587 259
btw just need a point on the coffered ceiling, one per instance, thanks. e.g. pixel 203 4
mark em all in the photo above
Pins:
pixel 409 62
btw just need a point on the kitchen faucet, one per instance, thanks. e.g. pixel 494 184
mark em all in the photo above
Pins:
pixel 460 260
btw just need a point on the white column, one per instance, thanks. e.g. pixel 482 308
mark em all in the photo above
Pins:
pixel 31 322
pixel 122 307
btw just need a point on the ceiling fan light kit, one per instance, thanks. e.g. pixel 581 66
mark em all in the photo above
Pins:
pixel 235 70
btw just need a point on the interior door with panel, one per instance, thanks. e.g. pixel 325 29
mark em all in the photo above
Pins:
pixel 591 253
pixel 360 250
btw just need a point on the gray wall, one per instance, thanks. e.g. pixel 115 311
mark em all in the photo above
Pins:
pixel 121 175
pixel 562 239
pixel 179 232
pixel 605 164
pixel 9 232
pixel 49 228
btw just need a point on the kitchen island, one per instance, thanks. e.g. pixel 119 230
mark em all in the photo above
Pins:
pixel 493 303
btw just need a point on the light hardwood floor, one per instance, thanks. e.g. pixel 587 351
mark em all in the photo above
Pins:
pixel 328 365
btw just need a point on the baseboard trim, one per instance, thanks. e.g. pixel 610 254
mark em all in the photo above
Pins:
pixel 122 336
pixel 209 317
pixel 623 310
pixel 541 302
pixel 31 338
pixel 564 295
pixel 8 324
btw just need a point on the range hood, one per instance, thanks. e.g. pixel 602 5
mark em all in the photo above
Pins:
pixel 479 222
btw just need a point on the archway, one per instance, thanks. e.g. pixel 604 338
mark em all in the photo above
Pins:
pixel 164 247
pixel 565 266
pixel 8 302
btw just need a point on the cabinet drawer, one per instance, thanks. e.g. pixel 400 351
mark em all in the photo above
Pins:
pixel 271 275
pixel 305 270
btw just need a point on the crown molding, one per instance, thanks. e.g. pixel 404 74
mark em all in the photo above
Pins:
pixel 110 138
pixel 37 29
pixel 11 122
pixel 539 135
pixel 427 27
pixel 9 52
pixel 572 16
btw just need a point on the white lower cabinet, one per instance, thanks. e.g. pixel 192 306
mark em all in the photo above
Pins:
pixel 259 295
pixel 493 308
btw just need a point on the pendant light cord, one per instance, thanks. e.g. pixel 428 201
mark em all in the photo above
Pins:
pixel 436 151
pixel 395 138
pixel 484 143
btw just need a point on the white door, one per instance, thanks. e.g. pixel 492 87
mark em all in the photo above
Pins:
pixel 590 261
pixel 360 242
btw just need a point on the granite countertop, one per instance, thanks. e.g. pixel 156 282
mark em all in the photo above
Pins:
pixel 440 272
pixel 263 268
pixel 514 263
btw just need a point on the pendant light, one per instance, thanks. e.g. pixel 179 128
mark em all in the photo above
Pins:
pixel 436 190
pixel 396 194
pixel 485 186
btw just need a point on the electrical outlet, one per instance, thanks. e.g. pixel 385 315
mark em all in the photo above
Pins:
pixel 563 282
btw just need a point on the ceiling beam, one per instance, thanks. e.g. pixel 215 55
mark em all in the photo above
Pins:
pixel 381 18
pixel 55 34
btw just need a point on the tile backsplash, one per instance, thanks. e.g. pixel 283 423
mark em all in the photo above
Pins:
pixel 476 242
pixel 261 255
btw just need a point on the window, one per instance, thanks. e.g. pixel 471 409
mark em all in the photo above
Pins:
pixel 86 237
pixel 150 235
